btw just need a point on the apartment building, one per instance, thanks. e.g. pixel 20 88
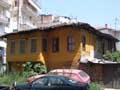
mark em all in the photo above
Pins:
pixel 16 15
pixel 47 20
pixel 4 28
pixel 115 33
pixel 23 13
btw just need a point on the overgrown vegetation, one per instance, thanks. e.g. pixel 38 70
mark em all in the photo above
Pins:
pixel 115 56
pixel 30 69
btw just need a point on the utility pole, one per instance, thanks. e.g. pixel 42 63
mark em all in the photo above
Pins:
pixel 18 15
pixel 116 23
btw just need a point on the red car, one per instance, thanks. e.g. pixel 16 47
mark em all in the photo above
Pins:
pixel 32 78
pixel 78 75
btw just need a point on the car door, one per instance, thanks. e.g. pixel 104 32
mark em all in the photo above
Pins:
pixel 57 83
pixel 40 84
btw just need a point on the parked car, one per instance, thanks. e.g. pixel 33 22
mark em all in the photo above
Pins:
pixel 32 78
pixel 53 82
pixel 75 74
pixel 4 88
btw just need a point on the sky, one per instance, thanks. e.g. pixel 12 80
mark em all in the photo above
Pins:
pixel 95 12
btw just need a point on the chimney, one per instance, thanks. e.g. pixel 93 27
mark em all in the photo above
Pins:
pixel 106 25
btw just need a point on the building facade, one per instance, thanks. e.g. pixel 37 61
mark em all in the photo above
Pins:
pixel 15 15
pixel 4 28
pixel 50 20
pixel 23 13
pixel 115 33
pixel 60 46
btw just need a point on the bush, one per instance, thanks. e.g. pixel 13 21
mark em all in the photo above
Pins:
pixel 30 69
pixel 115 56
pixel 34 68
pixel 94 86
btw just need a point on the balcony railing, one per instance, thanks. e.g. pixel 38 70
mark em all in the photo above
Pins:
pixel 27 25
pixel 35 4
pixel 3 19
pixel 4 3
pixel 29 10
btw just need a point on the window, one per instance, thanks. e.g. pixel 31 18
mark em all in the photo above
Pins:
pixel 22 46
pixel 16 3
pixel 55 81
pixel 44 45
pixel 55 44
pixel 40 81
pixel 2 51
pixel 33 45
pixel 70 43
pixel 83 43
pixel 12 47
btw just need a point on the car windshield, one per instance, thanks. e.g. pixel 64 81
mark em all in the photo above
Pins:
pixel 83 74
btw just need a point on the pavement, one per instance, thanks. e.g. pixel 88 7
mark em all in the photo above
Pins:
pixel 111 89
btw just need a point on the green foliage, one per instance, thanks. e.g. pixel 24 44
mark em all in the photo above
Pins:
pixel 108 56
pixel 11 77
pixel 115 56
pixel 94 86
pixel 30 69
pixel 34 68
pixel 39 68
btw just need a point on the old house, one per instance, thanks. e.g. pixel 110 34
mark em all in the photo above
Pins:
pixel 58 46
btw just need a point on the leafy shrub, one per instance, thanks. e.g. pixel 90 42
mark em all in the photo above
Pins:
pixel 108 56
pixel 94 86
pixel 30 69
pixel 34 68
pixel 115 56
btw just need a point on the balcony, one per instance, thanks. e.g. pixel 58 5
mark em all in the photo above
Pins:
pixel 27 9
pixel 27 25
pixel 4 3
pixel 35 4
pixel 3 19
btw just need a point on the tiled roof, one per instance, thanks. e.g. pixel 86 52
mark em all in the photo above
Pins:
pixel 59 25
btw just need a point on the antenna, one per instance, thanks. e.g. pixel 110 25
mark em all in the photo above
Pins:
pixel 116 23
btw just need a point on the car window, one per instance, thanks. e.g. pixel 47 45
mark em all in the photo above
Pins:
pixel 71 80
pixel 53 81
pixel 83 74
pixel 40 81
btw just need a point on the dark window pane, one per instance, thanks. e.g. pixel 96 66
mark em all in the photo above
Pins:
pixel 70 43
pixel 55 44
pixel 83 43
pixel 33 45
pixel 12 47
pixel 22 46
pixel 44 45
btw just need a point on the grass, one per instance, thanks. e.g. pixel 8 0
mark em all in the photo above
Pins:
pixel 94 86
pixel 10 78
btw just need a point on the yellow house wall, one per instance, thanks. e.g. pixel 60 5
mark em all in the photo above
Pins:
pixel 61 59
pixel 27 56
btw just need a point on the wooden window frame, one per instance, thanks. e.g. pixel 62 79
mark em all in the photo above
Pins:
pixel 55 44
pixel 22 47
pixel 33 49
pixel 12 47
pixel 70 44
pixel 44 45
pixel 83 43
